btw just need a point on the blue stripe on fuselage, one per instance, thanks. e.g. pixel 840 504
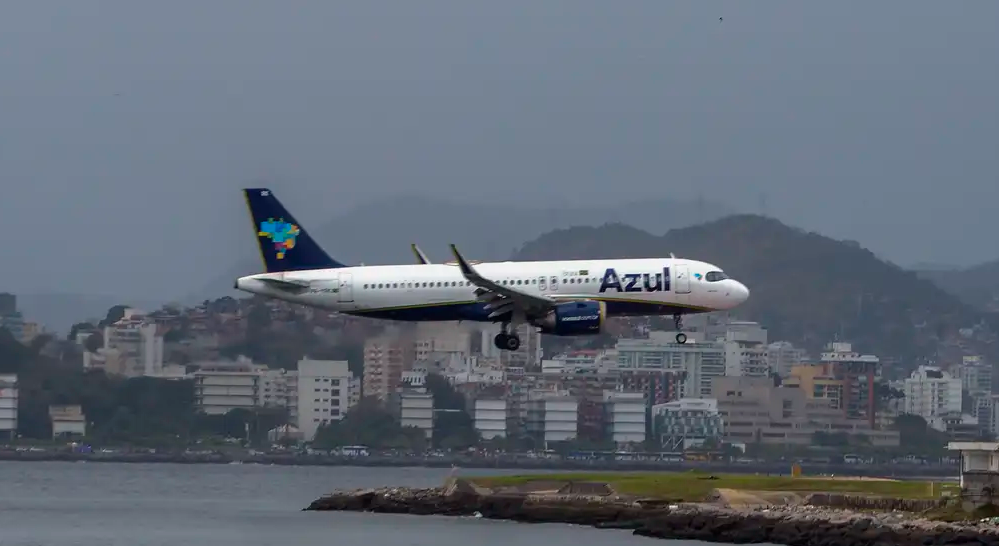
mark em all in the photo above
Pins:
pixel 478 312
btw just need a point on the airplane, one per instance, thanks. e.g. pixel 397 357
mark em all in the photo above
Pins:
pixel 564 298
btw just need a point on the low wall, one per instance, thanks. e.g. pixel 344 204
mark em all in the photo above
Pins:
pixel 860 502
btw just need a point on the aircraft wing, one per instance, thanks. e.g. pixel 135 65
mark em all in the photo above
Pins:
pixel 501 299
pixel 420 256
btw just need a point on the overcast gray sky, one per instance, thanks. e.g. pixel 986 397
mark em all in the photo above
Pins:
pixel 127 127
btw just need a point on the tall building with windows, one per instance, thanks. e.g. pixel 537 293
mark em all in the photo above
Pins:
pixel 8 405
pixel 932 393
pixel 324 394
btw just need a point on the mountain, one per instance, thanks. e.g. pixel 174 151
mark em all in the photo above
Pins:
pixel 380 232
pixel 805 287
pixel 58 312
pixel 977 286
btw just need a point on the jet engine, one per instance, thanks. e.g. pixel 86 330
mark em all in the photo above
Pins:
pixel 574 318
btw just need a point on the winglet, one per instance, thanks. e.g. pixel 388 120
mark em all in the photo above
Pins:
pixel 420 256
pixel 466 269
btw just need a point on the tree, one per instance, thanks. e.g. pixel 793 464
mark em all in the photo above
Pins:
pixel 76 328
pixel 114 314
pixel 368 424
pixel 94 342
pixel 453 426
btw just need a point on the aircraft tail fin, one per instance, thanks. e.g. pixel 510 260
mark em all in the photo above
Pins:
pixel 283 242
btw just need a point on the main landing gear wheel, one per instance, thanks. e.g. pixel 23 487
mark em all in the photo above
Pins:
pixel 508 342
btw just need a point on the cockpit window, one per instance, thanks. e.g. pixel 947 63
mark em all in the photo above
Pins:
pixel 715 276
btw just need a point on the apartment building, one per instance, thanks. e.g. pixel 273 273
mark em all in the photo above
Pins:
pixel 416 409
pixel 279 389
pixel 8 405
pixel 976 376
pixel 133 347
pixel 222 386
pixel 782 356
pixel 686 423
pixel 68 420
pixel 932 393
pixel 756 411
pixel 323 394
pixel 490 417
pixel 859 373
pixel 818 382
pixel 385 358
pixel 624 417
pixel 697 361
pixel 551 417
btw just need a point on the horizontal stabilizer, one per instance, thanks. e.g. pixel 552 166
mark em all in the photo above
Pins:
pixel 294 287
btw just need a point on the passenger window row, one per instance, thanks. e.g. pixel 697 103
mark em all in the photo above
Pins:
pixel 446 284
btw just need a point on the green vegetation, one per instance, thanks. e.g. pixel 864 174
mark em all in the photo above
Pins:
pixel 369 424
pixel 283 347
pixel 696 486
pixel 805 287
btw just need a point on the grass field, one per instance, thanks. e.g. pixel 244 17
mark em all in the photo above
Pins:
pixel 695 486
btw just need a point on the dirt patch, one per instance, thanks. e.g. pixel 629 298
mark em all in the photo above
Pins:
pixel 598 489
pixel 855 478
pixel 734 498
pixel 533 487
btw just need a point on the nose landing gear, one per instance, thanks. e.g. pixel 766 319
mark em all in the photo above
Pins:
pixel 681 337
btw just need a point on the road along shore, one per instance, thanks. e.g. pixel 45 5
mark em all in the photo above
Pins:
pixel 801 524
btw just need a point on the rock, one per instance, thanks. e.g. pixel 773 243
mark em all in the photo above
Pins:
pixel 798 525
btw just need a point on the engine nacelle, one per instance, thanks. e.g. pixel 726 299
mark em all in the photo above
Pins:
pixel 575 318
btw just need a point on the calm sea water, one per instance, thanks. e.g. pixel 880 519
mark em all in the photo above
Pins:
pixel 90 504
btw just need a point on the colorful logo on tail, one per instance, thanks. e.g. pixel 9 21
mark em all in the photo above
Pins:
pixel 281 233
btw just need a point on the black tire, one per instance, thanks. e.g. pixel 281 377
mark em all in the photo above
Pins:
pixel 681 338
pixel 500 341
pixel 512 343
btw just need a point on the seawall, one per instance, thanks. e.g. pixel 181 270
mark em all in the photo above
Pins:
pixel 804 525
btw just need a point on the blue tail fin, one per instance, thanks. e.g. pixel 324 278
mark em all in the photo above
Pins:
pixel 284 243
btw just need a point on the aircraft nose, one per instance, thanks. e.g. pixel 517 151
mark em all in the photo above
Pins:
pixel 739 293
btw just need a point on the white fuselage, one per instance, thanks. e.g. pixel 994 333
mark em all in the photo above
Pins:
pixel 420 292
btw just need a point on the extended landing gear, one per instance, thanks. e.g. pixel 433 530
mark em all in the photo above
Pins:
pixel 506 341
pixel 681 337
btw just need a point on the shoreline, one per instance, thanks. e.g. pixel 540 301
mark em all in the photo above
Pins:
pixel 798 525
pixel 937 473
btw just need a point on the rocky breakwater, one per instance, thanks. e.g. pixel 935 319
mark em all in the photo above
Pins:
pixel 791 525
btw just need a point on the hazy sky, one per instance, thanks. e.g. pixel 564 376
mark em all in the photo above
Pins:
pixel 127 127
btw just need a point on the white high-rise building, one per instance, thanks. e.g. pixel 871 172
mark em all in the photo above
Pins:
pixel 416 409
pixel 552 418
pixel 8 405
pixel 931 392
pixel 976 376
pixel 490 418
pixel 324 389
pixel 625 416
pixel 222 386
pixel 700 361
pixel 139 345
pixel 279 389
pixel 782 356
